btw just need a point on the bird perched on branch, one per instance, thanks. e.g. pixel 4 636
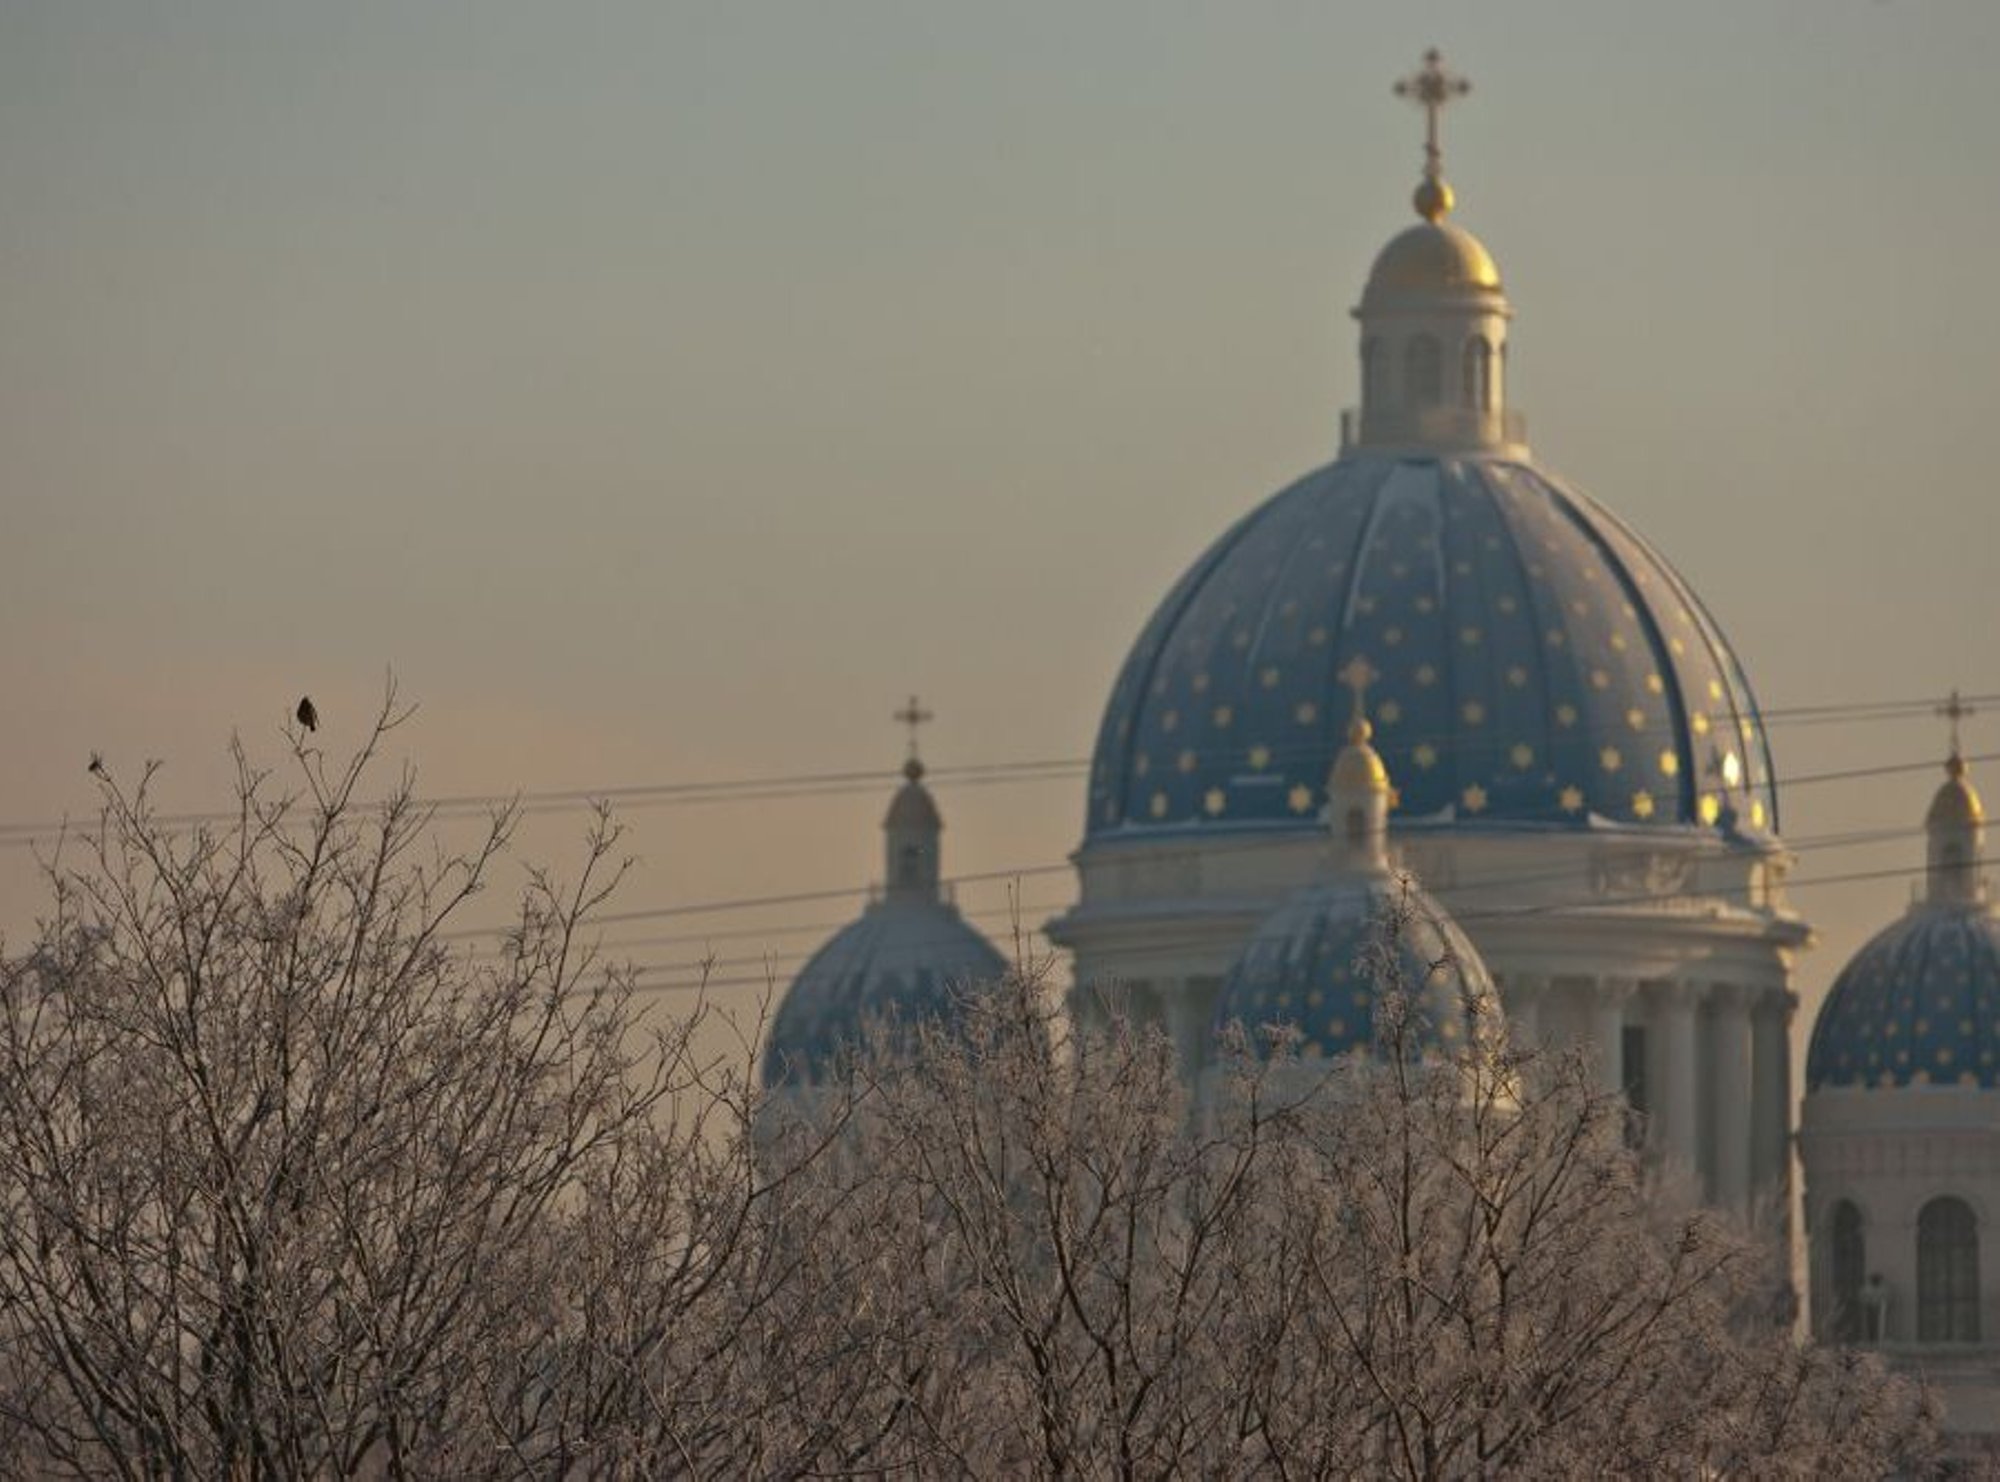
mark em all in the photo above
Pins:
pixel 97 764
pixel 308 716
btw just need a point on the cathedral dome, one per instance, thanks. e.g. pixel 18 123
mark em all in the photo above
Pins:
pixel 1538 664
pixel 903 962
pixel 1315 966
pixel 1919 1005
pixel 910 958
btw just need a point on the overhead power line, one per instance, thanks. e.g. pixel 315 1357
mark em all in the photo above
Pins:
pixel 787 787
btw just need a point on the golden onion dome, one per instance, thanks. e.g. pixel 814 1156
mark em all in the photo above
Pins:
pixel 1433 257
pixel 1957 801
pixel 1359 769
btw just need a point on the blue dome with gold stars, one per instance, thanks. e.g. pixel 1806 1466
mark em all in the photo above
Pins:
pixel 1315 967
pixel 1539 664
pixel 904 962
pixel 1919 1005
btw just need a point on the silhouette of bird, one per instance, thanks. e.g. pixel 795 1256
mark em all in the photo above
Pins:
pixel 97 764
pixel 308 717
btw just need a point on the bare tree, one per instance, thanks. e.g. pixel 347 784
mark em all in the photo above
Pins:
pixel 1421 1264
pixel 291 1184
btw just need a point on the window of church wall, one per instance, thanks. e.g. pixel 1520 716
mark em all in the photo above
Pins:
pixel 1632 1077
pixel 1947 1272
pixel 1423 373
pixel 1374 368
pixel 1848 1253
pixel 1477 375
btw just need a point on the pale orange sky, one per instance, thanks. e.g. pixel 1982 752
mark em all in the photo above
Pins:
pixel 665 391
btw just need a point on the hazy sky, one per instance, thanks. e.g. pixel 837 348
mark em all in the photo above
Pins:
pixel 665 390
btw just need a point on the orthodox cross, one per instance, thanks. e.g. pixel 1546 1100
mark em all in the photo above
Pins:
pixel 913 715
pixel 1357 676
pixel 1955 710
pixel 1431 87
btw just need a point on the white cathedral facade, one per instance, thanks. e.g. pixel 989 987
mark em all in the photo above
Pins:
pixel 1580 779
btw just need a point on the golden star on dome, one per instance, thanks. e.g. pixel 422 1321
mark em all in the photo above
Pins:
pixel 1317 637
pixel 1517 677
pixel 1425 755
pixel 1158 805
pixel 1565 716
pixel 1170 720
pixel 1636 718
pixel 1214 801
pixel 1571 799
pixel 1185 761
pixel 1300 798
pixel 1655 684
pixel 1610 759
pixel 1141 765
pixel 1473 711
pixel 1698 723
pixel 1474 799
pixel 1709 808
pixel 1221 716
pixel 1269 678
pixel 1260 758
pixel 1388 712
pixel 1670 763
pixel 1642 804
pixel 1199 684
pixel 1306 713
pixel 1523 756
pixel 1426 675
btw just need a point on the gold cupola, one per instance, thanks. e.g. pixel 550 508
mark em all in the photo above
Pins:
pixel 1433 317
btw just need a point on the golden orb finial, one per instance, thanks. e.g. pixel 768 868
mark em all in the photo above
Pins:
pixel 1433 199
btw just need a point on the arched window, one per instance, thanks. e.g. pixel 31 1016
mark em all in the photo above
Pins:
pixel 1423 373
pixel 1478 374
pixel 1850 1262
pixel 910 865
pixel 1374 370
pixel 1947 1273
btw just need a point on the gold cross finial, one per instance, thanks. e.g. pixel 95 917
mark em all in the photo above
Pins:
pixel 913 715
pixel 1431 87
pixel 1955 710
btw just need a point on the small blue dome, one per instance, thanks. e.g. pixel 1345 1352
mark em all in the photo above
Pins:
pixel 1919 1005
pixel 1539 664
pixel 1306 968
pixel 904 961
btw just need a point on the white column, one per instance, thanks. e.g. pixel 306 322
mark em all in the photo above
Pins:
pixel 1771 1094
pixel 1521 1001
pixel 1607 1031
pixel 1729 1060
pixel 1679 1076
